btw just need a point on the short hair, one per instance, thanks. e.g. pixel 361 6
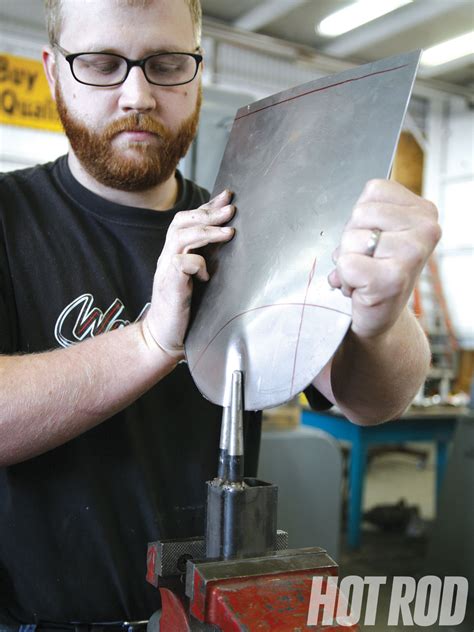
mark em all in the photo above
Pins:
pixel 53 12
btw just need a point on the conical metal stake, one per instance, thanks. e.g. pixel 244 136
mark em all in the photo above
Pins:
pixel 223 469
pixel 231 452
pixel 236 432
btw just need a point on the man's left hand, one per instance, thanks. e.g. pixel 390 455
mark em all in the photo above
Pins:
pixel 381 284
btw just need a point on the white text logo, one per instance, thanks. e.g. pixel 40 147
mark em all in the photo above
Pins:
pixel 80 320
pixel 427 602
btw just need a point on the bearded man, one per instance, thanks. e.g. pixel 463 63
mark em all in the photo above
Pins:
pixel 105 443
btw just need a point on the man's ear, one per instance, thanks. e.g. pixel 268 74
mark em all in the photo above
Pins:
pixel 50 69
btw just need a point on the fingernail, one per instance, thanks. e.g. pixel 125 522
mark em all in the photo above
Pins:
pixel 333 279
pixel 227 231
pixel 223 195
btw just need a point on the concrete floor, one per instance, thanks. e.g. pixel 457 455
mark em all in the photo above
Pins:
pixel 390 478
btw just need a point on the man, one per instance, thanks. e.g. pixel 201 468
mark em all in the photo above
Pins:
pixel 105 443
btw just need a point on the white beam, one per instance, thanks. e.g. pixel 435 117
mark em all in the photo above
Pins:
pixel 455 64
pixel 390 25
pixel 265 13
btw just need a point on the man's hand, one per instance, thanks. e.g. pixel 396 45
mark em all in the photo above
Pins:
pixel 167 319
pixel 380 285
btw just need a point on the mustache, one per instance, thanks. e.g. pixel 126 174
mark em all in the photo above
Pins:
pixel 134 123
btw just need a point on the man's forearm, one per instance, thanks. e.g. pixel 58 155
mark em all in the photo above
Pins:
pixel 375 379
pixel 49 398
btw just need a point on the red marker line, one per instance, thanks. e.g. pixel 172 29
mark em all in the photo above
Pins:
pixel 332 85
pixel 310 278
pixel 254 309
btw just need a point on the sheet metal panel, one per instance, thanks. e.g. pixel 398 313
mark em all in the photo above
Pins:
pixel 297 162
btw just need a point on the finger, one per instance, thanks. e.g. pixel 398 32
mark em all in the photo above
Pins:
pixel 385 194
pixel 347 290
pixel 357 271
pixel 376 279
pixel 192 265
pixel 204 215
pixel 336 283
pixel 407 245
pixel 379 190
pixel 222 198
pixel 187 239
pixel 384 216
pixel 334 280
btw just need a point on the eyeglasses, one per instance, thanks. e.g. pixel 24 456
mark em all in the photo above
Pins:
pixel 109 69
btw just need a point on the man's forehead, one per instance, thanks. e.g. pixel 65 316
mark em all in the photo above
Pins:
pixel 164 9
pixel 106 24
pixel 163 5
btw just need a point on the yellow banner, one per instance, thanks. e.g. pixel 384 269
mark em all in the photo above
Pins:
pixel 24 94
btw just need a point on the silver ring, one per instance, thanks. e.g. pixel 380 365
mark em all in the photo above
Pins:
pixel 372 242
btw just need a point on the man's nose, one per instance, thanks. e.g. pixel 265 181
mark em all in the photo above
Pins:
pixel 136 92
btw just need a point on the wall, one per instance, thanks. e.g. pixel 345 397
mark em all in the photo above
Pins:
pixel 449 182
pixel 20 146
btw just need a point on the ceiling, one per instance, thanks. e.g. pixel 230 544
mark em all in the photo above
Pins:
pixel 419 24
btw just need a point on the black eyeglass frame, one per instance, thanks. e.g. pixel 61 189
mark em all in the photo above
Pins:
pixel 131 63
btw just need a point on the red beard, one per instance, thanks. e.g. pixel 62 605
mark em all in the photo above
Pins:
pixel 154 164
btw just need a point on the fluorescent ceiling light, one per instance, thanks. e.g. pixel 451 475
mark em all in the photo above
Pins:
pixel 449 50
pixel 356 14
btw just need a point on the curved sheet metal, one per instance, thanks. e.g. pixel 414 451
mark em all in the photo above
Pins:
pixel 297 162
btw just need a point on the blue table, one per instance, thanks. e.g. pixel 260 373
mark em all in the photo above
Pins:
pixel 425 425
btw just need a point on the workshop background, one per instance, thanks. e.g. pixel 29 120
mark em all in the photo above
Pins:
pixel 393 503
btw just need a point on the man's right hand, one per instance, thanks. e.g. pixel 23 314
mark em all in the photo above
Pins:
pixel 167 319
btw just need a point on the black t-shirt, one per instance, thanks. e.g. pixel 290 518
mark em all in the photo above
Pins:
pixel 75 521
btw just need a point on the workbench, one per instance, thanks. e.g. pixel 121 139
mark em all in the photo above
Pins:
pixel 435 424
